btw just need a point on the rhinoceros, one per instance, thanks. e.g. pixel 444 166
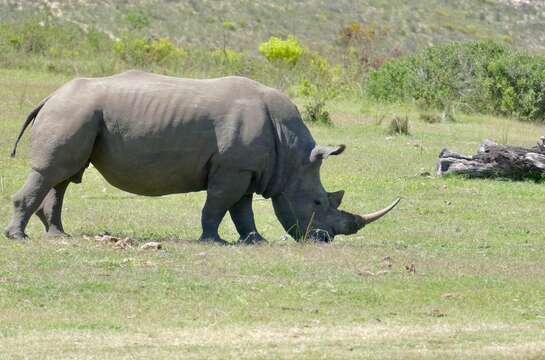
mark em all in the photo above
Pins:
pixel 154 135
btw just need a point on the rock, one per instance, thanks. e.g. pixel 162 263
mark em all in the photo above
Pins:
pixel 152 245
pixel 411 268
pixel 386 262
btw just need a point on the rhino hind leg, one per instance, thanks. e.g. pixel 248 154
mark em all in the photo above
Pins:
pixel 26 201
pixel 39 197
pixel 242 215
pixel 56 159
pixel 224 190
pixel 49 211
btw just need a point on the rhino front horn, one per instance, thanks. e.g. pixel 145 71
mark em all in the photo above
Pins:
pixel 369 218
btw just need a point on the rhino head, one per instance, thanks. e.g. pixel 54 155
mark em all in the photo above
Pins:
pixel 306 210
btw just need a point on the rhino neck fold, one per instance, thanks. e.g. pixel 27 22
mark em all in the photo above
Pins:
pixel 292 144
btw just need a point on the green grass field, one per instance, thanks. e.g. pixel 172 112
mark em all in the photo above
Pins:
pixel 478 248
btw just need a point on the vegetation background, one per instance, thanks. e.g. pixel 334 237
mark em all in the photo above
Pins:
pixel 455 272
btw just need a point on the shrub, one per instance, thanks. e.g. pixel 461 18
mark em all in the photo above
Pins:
pixel 98 41
pixel 29 38
pixel 319 83
pixel 399 126
pixel 228 56
pixel 362 41
pixel 227 62
pixel 142 51
pixel 478 76
pixel 229 25
pixel 137 19
pixel 55 46
pixel 430 117
pixel 394 81
pixel 436 75
pixel 516 84
pixel 315 112
pixel 36 37
pixel 317 95
pixel 284 51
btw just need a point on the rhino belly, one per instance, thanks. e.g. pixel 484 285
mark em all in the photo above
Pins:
pixel 151 166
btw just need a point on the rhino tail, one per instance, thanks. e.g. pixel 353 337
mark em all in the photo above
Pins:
pixel 30 118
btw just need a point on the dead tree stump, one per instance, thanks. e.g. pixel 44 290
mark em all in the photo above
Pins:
pixel 495 160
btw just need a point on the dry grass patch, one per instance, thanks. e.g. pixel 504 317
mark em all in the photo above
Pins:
pixel 309 341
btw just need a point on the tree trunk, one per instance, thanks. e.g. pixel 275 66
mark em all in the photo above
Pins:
pixel 494 160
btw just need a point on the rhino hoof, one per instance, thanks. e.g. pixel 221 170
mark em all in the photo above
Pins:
pixel 213 239
pixel 15 235
pixel 252 238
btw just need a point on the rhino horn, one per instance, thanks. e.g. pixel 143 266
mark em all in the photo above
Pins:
pixel 369 218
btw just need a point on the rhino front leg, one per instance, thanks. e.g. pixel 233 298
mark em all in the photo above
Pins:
pixel 224 190
pixel 26 201
pixel 242 215
pixel 50 210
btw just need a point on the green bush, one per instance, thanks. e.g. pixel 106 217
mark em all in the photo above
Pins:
pixel 516 84
pixel 319 83
pixel 228 56
pixel 35 37
pixel 314 112
pixel 227 62
pixel 137 19
pixel 285 51
pixel 394 81
pixel 398 126
pixel 317 77
pixel 478 77
pixel 229 25
pixel 430 117
pixel 316 98
pixel 56 46
pixel 98 41
pixel 143 52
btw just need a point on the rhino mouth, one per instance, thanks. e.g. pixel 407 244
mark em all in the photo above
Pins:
pixel 320 235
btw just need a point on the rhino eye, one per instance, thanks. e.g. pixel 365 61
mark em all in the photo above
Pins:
pixel 317 202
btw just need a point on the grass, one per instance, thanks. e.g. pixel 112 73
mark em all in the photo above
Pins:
pixel 477 247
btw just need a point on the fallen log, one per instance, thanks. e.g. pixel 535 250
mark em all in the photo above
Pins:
pixel 496 160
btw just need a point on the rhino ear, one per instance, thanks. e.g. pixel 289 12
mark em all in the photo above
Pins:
pixel 335 198
pixel 323 152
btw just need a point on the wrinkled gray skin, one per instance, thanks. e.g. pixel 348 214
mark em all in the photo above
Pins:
pixel 156 135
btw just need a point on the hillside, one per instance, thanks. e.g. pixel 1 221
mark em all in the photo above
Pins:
pixel 407 24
